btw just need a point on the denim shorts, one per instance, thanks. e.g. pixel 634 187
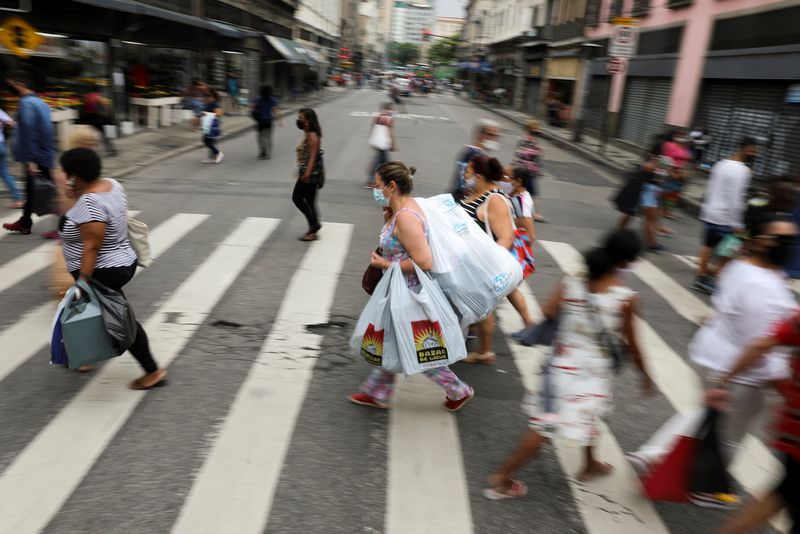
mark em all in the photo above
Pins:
pixel 649 198
pixel 714 233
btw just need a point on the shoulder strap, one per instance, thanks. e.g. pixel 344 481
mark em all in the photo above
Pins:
pixel 409 210
pixel 486 210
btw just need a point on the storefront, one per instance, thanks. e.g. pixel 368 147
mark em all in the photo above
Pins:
pixel 533 53
pixel 288 66
pixel 644 109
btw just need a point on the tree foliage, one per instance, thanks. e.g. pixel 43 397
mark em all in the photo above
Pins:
pixel 403 53
pixel 443 51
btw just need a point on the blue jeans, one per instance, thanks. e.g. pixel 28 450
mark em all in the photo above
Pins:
pixel 10 181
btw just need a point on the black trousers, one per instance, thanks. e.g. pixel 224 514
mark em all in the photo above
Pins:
pixel 381 157
pixel 115 278
pixel 211 143
pixel 26 219
pixel 304 197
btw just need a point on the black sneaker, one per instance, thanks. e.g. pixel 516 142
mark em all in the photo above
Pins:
pixel 704 284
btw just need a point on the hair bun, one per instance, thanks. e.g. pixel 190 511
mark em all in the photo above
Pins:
pixel 412 171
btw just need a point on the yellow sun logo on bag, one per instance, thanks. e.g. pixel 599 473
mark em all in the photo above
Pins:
pixel 372 345
pixel 429 341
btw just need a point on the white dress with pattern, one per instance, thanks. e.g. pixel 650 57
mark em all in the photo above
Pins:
pixel 580 371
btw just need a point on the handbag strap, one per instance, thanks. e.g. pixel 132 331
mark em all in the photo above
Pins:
pixel 485 206
pixel 601 333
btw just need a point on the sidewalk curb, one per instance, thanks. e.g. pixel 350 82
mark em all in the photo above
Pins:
pixel 127 171
pixel 690 206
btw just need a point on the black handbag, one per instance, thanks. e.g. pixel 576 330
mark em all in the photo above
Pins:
pixel 45 195
pixel 627 199
pixel 709 474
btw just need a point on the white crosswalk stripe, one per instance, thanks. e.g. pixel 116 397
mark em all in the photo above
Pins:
pixel 235 486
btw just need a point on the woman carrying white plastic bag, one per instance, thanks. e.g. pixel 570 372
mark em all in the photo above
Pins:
pixel 404 240
pixel 373 338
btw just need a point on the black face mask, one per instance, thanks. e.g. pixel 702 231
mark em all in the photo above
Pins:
pixel 783 250
pixel 750 159
pixel 300 124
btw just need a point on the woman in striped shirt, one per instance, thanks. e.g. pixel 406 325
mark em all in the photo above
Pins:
pixel 95 239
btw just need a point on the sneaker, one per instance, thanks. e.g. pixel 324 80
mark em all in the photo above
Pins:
pixel 208 160
pixel 704 285
pixel 517 336
pixel 52 234
pixel 455 405
pixel 362 399
pixel 262 156
pixel 656 248
pixel 722 501
pixel 17 227
pixel 219 158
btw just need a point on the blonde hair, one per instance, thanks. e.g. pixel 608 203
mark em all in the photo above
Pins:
pixel 533 125
pixel 83 136
pixel 399 173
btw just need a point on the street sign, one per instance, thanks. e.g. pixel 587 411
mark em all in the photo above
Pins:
pixel 616 65
pixel 19 37
pixel 624 39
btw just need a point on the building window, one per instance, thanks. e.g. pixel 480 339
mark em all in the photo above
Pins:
pixel 674 4
pixel 616 9
pixel 640 8
pixel 535 17
pixel 592 13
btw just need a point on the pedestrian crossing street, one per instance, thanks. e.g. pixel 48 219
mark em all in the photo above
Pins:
pixel 244 475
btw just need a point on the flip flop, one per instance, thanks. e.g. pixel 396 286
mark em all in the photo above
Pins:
pixel 517 490
pixel 138 386
pixel 488 358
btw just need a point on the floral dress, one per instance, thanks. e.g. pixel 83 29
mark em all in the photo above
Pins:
pixel 576 385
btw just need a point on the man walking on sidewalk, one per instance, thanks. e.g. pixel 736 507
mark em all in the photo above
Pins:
pixel 34 147
pixel 487 132
pixel 723 208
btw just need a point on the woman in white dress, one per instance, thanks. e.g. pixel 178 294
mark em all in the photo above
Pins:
pixel 595 330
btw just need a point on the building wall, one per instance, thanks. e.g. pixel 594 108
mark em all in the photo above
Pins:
pixel 447 26
pixel 408 21
pixel 322 15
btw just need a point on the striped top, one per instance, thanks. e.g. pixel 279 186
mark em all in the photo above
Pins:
pixel 471 207
pixel 109 207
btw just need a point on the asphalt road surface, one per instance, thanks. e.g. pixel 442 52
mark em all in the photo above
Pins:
pixel 254 433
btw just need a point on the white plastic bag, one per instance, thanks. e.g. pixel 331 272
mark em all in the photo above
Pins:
pixel 474 272
pixel 660 444
pixel 426 328
pixel 139 237
pixel 206 122
pixel 380 137
pixel 372 338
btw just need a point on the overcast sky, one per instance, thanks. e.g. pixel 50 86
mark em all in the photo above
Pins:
pixel 449 8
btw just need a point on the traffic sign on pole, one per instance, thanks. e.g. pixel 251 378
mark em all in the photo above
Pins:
pixel 624 38
pixel 616 65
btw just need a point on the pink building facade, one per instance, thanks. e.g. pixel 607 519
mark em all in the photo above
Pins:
pixel 732 66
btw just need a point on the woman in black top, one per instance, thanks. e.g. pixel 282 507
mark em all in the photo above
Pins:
pixel 309 156
pixel 486 204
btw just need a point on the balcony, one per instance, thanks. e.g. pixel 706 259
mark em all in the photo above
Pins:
pixel 562 31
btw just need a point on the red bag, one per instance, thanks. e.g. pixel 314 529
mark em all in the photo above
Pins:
pixel 669 481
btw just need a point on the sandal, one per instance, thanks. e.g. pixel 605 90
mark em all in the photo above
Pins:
pixel 309 237
pixel 605 470
pixel 516 490
pixel 487 358
pixel 140 385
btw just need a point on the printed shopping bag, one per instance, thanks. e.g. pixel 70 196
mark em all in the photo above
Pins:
pixel 83 329
pixel 426 328
pixel 475 273
pixel 372 338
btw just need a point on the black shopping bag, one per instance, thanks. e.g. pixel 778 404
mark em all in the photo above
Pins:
pixel 118 316
pixel 627 199
pixel 708 473
pixel 45 195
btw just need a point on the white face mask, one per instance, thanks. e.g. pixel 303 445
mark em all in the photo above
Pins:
pixel 491 145
pixel 506 187
pixel 470 183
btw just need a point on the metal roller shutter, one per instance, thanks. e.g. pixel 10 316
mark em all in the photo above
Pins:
pixel 532 89
pixel 644 109
pixel 596 103
pixel 731 110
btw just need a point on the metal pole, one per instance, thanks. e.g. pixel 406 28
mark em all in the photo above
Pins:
pixel 588 53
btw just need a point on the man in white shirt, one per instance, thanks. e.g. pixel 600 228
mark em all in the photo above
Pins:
pixel 722 212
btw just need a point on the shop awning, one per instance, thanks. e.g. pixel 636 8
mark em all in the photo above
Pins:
pixel 293 52
pixel 138 8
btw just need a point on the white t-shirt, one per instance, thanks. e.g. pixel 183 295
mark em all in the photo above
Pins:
pixel 749 301
pixel 725 199
pixel 523 205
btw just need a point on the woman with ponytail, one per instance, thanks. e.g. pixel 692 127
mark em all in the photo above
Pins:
pixel 404 239
pixel 594 310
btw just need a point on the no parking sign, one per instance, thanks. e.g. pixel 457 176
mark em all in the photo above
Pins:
pixel 624 38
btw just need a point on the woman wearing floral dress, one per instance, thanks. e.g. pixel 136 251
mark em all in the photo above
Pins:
pixel 529 155
pixel 593 311
pixel 404 239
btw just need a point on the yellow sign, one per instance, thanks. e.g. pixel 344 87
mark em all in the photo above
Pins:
pixel 624 21
pixel 19 37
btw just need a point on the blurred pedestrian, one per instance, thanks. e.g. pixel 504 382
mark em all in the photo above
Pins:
pixel 212 129
pixel 529 155
pixel 34 144
pixel 95 239
pixel 677 148
pixel 96 111
pixel 593 310
pixel 662 167
pixel 232 87
pixel 310 170
pixel 485 141
pixel 786 495
pixel 723 208
pixel 197 100
pixel 404 239
pixel 514 187
pixel 490 209
pixel 751 297
pixel 382 140
pixel 6 123
pixel 265 112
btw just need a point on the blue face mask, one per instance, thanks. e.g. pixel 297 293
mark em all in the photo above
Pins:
pixel 377 194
